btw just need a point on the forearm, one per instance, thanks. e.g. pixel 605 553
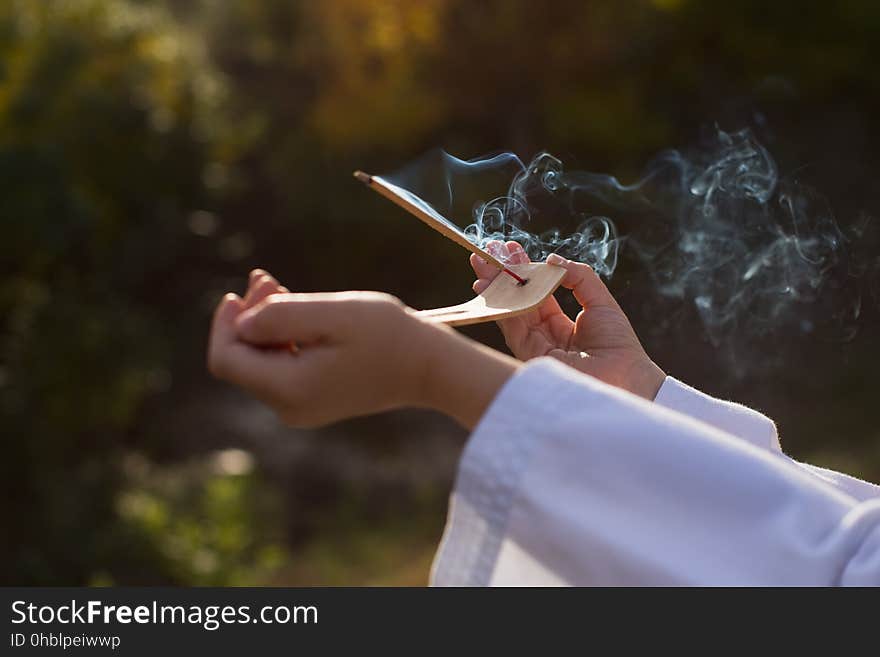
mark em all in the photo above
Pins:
pixel 462 376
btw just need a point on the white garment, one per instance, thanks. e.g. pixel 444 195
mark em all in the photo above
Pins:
pixel 567 480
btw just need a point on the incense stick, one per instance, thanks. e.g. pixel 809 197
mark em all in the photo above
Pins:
pixel 423 211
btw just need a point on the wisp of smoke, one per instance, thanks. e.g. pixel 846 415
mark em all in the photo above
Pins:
pixel 503 196
pixel 717 229
pixel 741 245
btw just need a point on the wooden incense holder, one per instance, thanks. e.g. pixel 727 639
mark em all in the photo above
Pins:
pixel 516 290
pixel 504 297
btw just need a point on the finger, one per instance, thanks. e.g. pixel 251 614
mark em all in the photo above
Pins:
pixel 480 285
pixel 255 274
pixel 482 268
pixel 265 286
pixel 265 274
pixel 580 360
pixel 223 323
pixel 257 279
pixel 253 277
pixel 498 250
pixel 267 374
pixel 518 255
pixel 300 318
pixel 261 372
pixel 515 331
pixel 254 282
pixel 588 288
pixel 223 332
pixel 262 288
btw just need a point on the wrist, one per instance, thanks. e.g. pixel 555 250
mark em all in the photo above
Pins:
pixel 646 379
pixel 460 377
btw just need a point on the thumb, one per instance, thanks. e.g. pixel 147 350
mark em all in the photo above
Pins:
pixel 284 318
pixel 588 288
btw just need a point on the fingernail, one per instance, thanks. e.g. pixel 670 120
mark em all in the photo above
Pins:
pixel 555 259
pixel 256 273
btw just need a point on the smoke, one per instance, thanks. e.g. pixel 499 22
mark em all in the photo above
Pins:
pixel 508 217
pixel 743 247
pixel 717 230
pixel 504 199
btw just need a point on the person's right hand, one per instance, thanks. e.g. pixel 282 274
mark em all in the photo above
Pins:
pixel 318 358
pixel 600 342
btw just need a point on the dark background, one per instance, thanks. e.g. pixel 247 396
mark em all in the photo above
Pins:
pixel 151 153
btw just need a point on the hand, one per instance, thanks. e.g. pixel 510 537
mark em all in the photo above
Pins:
pixel 600 342
pixel 318 358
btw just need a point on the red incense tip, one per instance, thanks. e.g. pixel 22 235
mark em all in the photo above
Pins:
pixel 519 279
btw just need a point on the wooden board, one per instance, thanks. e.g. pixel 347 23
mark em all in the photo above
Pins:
pixel 503 298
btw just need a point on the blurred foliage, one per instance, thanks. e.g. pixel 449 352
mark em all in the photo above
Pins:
pixel 152 152
pixel 210 522
pixel 102 155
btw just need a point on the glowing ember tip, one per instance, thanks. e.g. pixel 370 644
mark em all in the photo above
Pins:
pixel 519 279
pixel 363 177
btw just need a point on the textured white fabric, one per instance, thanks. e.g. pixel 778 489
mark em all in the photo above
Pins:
pixel 569 481
pixel 737 419
pixel 752 427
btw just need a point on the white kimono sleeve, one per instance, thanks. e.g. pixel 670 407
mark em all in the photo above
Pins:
pixel 733 418
pixel 751 426
pixel 569 481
